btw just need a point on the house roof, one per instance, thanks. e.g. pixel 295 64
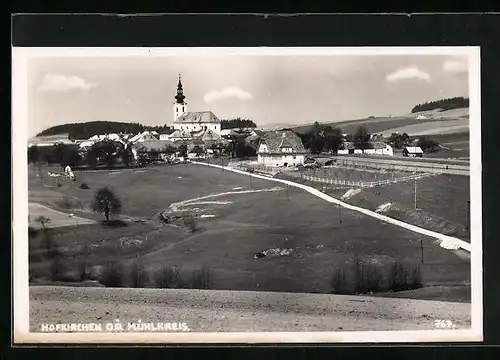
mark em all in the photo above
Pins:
pixel 379 145
pixel 178 134
pixel 210 135
pixel 275 139
pixel 414 149
pixel 198 118
pixel 50 140
pixel 154 144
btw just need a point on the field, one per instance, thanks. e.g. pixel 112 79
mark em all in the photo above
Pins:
pixel 390 124
pixel 240 217
pixel 442 200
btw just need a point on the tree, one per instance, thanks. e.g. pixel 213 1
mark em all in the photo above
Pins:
pixel 333 138
pixel 126 155
pixel 58 153
pixel 317 144
pixel 198 150
pixel 168 150
pixel 399 141
pixel 243 149
pixel 33 154
pixel 427 144
pixel 106 202
pixel 71 156
pixel 362 137
pixel 154 155
pixel 183 150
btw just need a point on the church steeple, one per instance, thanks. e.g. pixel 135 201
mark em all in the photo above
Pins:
pixel 180 92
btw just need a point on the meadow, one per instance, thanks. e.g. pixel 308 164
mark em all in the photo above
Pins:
pixel 243 216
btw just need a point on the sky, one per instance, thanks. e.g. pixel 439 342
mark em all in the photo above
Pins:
pixel 268 89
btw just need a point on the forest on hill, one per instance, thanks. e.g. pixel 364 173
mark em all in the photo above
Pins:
pixel 89 129
pixel 444 104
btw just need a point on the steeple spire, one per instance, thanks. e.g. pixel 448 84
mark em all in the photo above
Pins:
pixel 180 92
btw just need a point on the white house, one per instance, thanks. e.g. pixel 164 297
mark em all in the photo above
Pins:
pixel 281 148
pixel 381 148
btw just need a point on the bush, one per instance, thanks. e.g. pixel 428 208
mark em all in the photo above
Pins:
pixel 405 277
pixel 339 282
pixel 167 277
pixel 82 271
pixel 138 275
pixel 112 275
pixel 84 186
pixel 201 279
pixel 57 269
pixel 368 278
pixel 191 223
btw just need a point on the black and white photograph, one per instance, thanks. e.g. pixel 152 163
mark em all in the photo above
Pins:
pixel 186 195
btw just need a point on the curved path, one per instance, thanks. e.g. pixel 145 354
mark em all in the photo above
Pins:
pixel 449 241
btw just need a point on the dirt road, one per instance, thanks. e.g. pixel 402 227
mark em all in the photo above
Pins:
pixel 239 311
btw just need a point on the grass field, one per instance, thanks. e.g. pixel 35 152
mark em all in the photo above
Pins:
pixel 241 225
pixel 389 124
pixel 441 202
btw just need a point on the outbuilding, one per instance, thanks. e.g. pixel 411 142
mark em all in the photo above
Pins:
pixel 413 151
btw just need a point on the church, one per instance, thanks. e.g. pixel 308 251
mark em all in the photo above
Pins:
pixel 188 122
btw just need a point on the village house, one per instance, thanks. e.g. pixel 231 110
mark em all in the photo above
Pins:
pixel 376 148
pixel 412 151
pixel 281 148
pixel 50 140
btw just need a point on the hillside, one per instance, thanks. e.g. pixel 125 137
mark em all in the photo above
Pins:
pixel 89 129
pixel 455 120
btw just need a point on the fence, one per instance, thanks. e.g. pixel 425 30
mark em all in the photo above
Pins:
pixel 362 184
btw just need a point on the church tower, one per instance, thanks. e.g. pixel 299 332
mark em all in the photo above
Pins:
pixel 180 106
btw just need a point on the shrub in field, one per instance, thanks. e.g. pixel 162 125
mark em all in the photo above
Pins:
pixel 82 270
pixel 112 275
pixel 367 278
pixel 138 275
pixel 339 282
pixel 191 223
pixel 405 277
pixel 57 269
pixel 84 186
pixel 167 277
pixel 200 279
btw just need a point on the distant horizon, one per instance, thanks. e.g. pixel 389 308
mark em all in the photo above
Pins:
pixel 267 89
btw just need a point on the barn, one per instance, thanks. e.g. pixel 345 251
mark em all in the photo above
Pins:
pixel 412 151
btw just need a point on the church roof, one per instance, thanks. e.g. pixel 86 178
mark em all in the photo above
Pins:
pixel 197 118
pixel 274 140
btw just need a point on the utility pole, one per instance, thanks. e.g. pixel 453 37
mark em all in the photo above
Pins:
pixel 422 251
pixel 415 193
pixel 467 223
pixel 340 214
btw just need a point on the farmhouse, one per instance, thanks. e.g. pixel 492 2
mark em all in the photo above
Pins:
pixel 144 136
pixel 281 148
pixel 192 121
pixel 376 148
pixel 412 151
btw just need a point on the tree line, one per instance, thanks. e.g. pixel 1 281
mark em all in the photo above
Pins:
pixel 445 104
pixel 89 129
pixel 237 123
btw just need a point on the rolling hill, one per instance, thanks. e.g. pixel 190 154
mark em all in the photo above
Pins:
pixel 433 122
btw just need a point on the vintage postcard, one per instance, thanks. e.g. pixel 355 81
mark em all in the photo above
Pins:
pixel 247 195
